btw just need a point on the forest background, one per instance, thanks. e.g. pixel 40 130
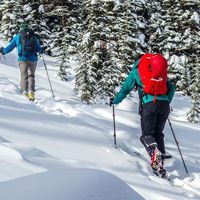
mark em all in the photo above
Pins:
pixel 108 36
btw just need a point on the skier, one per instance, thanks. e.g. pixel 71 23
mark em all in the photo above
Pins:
pixel 149 75
pixel 28 47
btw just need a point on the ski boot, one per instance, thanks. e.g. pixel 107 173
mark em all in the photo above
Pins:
pixel 157 163
pixel 31 96
pixel 157 160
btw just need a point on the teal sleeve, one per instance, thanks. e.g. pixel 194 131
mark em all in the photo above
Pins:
pixel 171 90
pixel 126 88
pixel 136 64
pixel 11 46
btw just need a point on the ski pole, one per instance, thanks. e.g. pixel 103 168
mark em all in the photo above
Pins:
pixel 3 56
pixel 115 139
pixel 178 146
pixel 48 76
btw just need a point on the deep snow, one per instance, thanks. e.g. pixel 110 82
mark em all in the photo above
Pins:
pixel 63 147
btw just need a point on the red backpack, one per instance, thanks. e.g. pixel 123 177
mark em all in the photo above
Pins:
pixel 152 69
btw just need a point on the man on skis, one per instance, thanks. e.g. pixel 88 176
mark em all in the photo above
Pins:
pixel 28 47
pixel 149 75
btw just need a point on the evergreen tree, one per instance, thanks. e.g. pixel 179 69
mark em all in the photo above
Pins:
pixel 164 36
pixel 166 32
pixel 190 18
pixel 174 30
pixel 74 24
pixel 70 29
pixel 123 31
pixel 54 14
pixel 64 22
pixel 86 73
pixel 110 66
pixel 63 56
pixel 0 11
pixel 12 17
pixel 131 28
pixel 194 113
pixel 109 35
pixel 36 18
pixel 63 43
pixel 96 52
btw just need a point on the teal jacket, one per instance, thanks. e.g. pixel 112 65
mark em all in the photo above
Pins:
pixel 134 80
pixel 15 42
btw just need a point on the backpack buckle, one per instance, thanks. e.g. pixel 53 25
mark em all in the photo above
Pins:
pixel 157 80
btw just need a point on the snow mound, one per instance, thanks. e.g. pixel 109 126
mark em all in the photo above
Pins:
pixel 72 184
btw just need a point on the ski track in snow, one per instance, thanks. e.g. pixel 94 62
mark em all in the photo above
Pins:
pixel 54 134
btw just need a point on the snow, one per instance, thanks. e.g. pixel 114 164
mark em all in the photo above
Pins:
pixel 41 9
pixel 93 2
pixel 117 2
pixel 195 17
pixel 86 37
pixel 27 8
pixel 56 185
pixel 178 61
pixel 62 148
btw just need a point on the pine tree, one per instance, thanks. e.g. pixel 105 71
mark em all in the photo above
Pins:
pixel 164 35
pixel 86 73
pixel 54 12
pixel 194 113
pixel 0 12
pixel 12 17
pixel 70 29
pixel 176 35
pixel 131 26
pixel 36 18
pixel 63 56
pixel 63 22
pixel 108 77
pixel 97 52
pixel 74 24
pixel 110 66
pixel 125 24
pixel 190 18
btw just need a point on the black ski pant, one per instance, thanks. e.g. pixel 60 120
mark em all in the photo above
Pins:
pixel 153 118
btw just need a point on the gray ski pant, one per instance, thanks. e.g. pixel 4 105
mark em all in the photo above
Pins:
pixel 27 70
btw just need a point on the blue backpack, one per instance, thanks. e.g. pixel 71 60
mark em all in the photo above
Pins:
pixel 28 42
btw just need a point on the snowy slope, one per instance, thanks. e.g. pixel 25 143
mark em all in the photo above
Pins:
pixel 56 138
pixel 56 185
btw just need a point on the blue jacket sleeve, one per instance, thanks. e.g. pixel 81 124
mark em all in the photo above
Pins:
pixel 11 46
pixel 170 90
pixel 38 47
pixel 126 88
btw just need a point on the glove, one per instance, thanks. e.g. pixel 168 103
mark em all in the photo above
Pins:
pixel 1 50
pixel 111 102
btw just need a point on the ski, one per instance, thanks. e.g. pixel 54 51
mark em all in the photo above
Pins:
pixel 156 175
pixel 158 179
pixel 162 175
pixel 33 100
